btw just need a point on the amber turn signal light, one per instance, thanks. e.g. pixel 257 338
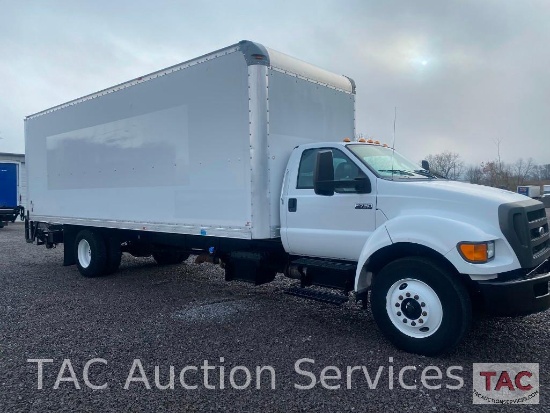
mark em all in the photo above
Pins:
pixel 477 252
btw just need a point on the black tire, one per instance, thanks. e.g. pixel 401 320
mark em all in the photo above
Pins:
pixel 95 266
pixel 454 302
pixel 114 255
pixel 170 257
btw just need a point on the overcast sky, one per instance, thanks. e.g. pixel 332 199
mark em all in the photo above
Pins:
pixel 462 74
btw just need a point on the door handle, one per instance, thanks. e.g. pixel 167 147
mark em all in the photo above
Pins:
pixel 292 204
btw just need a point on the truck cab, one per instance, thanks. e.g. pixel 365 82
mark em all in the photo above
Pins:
pixel 427 248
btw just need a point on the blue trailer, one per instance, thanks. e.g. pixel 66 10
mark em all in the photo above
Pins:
pixel 10 193
pixel 8 185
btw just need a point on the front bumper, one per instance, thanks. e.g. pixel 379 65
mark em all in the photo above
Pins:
pixel 516 297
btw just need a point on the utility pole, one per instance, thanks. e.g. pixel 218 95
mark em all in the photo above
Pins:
pixel 497 142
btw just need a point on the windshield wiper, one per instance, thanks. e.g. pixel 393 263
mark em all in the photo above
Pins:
pixel 397 171
pixel 424 172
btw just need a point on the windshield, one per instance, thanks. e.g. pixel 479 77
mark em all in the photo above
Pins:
pixel 387 163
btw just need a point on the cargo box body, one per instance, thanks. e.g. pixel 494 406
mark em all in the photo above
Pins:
pixel 198 148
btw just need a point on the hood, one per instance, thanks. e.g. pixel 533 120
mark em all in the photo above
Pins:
pixel 474 204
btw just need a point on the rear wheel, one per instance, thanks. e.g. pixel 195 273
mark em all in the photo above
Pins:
pixel 90 253
pixel 170 257
pixel 420 306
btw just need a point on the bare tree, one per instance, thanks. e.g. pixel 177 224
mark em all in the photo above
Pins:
pixel 544 172
pixel 536 173
pixel 474 175
pixel 497 174
pixel 447 164
pixel 522 169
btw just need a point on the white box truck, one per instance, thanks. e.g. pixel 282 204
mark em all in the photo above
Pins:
pixel 241 154
pixel 532 191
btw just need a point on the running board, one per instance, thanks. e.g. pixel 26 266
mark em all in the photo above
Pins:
pixel 324 297
pixel 324 273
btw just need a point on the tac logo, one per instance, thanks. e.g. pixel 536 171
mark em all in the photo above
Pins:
pixel 506 383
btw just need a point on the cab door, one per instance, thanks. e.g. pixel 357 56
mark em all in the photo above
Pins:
pixel 328 226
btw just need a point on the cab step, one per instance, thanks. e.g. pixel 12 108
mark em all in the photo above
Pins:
pixel 315 295
pixel 324 273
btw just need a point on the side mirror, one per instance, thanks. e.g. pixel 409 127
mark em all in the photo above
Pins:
pixel 323 177
pixel 425 165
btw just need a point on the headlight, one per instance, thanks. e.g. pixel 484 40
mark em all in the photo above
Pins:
pixel 477 252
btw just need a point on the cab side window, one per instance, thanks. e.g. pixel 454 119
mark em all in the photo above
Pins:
pixel 344 169
pixel 305 171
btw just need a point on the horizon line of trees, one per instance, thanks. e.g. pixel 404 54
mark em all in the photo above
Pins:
pixel 494 173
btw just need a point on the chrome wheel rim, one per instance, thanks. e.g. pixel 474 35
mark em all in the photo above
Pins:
pixel 414 308
pixel 84 253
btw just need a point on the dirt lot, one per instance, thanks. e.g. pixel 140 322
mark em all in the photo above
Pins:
pixel 182 315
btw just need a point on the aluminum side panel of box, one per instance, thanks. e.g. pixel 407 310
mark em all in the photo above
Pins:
pixel 173 150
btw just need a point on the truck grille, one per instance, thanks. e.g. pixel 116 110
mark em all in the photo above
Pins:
pixel 525 226
pixel 538 232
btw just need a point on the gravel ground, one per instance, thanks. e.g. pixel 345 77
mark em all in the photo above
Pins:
pixel 181 315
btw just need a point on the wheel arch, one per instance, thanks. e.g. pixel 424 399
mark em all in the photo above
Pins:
pixel 408 235
pixel 383 256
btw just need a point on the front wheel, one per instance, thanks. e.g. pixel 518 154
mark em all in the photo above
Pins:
pixel 420 306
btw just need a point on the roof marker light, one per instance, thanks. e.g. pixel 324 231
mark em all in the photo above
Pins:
pixel 361 140
pixel 347 140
